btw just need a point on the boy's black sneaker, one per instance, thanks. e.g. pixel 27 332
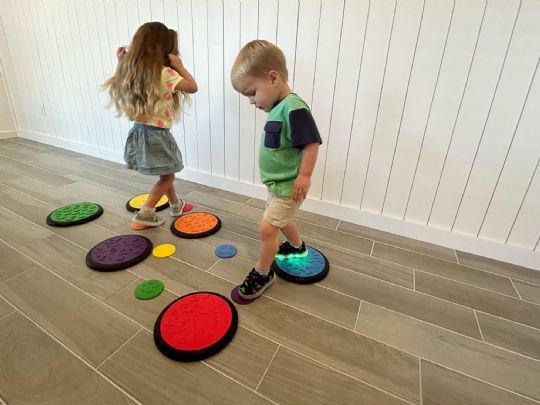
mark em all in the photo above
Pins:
pixel 255 284
pixel 288 250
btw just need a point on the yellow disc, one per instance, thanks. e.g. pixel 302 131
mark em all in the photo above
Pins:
pixel 137 202
pixel 164 250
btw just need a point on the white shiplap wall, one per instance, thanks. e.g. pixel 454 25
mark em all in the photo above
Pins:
pixel 428 109
pixel 7 122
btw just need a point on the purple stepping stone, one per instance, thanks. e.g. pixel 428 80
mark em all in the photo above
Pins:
pixel 235 296
pixel 118 252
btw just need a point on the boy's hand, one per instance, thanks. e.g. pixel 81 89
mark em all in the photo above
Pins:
pixel 120 52
pixel 301 188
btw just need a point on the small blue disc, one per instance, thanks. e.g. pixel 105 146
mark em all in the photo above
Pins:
pixel 226 251
pixel 304 270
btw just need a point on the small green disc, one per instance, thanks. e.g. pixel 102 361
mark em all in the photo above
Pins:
pixel 149 289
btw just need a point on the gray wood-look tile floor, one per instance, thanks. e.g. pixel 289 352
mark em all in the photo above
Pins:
pixel 397 321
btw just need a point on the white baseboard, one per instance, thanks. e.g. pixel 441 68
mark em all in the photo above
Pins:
pixel 454 240
pixel 8 134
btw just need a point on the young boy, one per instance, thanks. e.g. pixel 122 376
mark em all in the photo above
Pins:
pixel 287 154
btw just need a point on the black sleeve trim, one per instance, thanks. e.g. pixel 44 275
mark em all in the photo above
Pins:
pixel 303 128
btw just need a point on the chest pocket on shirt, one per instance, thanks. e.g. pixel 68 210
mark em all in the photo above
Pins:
pixel 272 134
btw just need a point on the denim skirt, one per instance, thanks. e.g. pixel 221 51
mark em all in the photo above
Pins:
pixel 152 150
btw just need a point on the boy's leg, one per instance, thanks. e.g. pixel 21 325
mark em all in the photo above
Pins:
pixel 262 276
pixel 292 234
pixel 269 246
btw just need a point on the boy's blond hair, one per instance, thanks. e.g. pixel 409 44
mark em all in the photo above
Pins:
pixel 256 59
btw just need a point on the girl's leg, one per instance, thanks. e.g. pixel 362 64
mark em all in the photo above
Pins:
pixel 163 186
pixel 171 193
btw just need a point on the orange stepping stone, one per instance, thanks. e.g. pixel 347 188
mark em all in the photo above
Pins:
pixel 196 225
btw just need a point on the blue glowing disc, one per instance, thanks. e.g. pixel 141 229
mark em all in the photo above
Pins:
pixel 303 270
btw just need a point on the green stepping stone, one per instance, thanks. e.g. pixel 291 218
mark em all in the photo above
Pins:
pixel 74 214
pixel 149 289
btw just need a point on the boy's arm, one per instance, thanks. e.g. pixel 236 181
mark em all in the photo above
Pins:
pixel 303 180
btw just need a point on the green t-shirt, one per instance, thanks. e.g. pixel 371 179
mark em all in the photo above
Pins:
pixel 289 127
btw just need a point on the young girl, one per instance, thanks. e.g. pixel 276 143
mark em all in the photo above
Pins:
pixel 146 86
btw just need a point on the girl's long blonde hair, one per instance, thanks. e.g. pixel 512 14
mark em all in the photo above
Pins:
pixel 135 88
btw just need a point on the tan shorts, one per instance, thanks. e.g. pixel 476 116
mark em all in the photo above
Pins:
pixel 280 210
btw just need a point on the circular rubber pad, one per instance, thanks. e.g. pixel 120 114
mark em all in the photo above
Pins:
pixel 226 251
pixel 149 289
pixel 118 252
pixel 74 214
pixel 196 225
pixel 303 270
pixel 164 250
pixel 195 326
pixel 235 296
pixel 137 202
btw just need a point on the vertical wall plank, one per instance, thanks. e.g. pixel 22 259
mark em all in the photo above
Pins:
pixel 201 98
pixel 231 45
pixel 520 66
pixel 484 77
pixel 517 171
pixel 379 30
pixel 350 57
pixel 189 115
pixel 324 84
pixel 287 31
pixel 525 231
pixel 460 49
pixel 303 69
pixel 170 19
pixel 423 85
pixel 268 21
pixel 401 57
pixel 248 31
pixel 216 86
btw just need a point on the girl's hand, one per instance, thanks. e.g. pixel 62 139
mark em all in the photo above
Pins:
pixel 175 61
pixel 120 52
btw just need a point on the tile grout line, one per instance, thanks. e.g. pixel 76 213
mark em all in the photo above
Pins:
pixel 238 382
pixel 338 224
pixel 267 368
pixel 460 264
pixel 335 369
pixel 372 247
pixel 82 359
pixel 457 259
pixel 450 331
pixel 479 328
pixel 216 262
pixel 420 380
pixel 119 348
pixel 357 315
pixel 515 288
pixel 414 279
pixel 481 380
